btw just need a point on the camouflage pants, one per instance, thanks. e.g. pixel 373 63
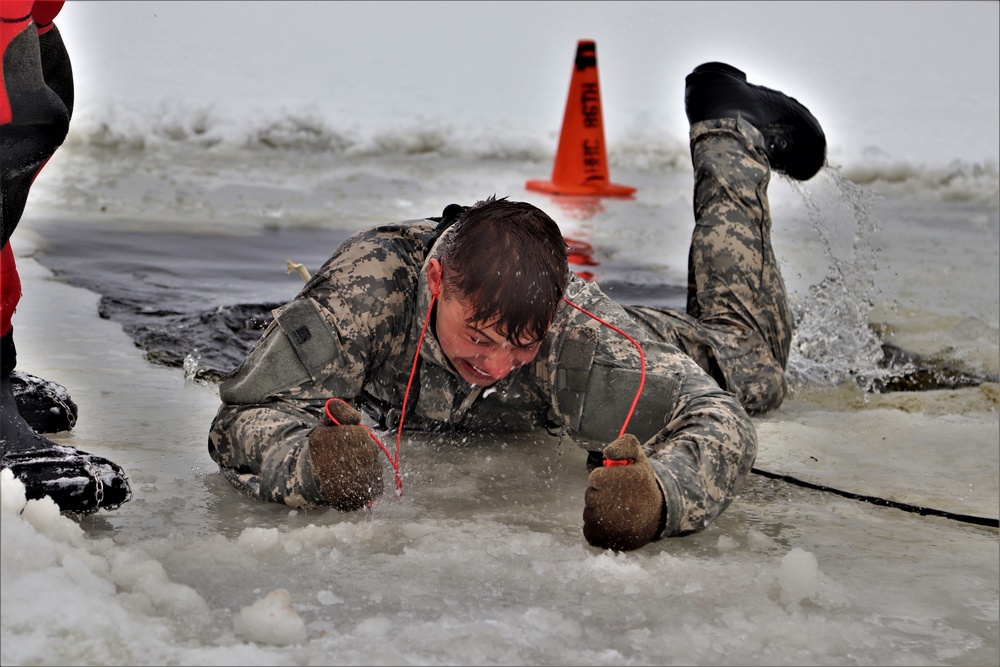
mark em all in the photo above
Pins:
pixel 738 324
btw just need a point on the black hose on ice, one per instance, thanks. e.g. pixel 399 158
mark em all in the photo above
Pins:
pixel 875 500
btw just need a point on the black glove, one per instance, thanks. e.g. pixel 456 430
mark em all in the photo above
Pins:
pixel 345 460
pixel 623 506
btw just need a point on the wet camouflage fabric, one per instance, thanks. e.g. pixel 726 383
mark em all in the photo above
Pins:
pixel 352 333
pixel 738 325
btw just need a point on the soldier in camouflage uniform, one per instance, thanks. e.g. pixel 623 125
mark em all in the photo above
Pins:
pixel 355 328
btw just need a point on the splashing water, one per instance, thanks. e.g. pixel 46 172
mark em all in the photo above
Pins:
pixel 834 341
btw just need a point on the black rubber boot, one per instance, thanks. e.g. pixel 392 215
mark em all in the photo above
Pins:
pixel 793 139
pixel 78 482
pixel 45 405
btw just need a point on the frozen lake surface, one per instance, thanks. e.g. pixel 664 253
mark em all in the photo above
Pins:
pixel 287 126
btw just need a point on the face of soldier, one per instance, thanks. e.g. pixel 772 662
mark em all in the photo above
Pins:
pixel 475 349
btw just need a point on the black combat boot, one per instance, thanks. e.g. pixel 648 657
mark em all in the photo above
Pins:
pixel 793 139
pixel 78 482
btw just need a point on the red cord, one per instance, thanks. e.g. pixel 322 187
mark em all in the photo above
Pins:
pixel 394 458
pixel 406 394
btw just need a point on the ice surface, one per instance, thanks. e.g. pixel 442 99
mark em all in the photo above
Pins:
pixel 481 561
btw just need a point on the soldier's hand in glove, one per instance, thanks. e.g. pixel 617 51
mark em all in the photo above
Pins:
pixel 345 459
pixel 623 506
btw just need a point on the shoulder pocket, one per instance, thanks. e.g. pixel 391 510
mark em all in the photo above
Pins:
pixel 310 336
pixel 576 349
pixel 300 349
pixel 270 367
pixel 610 392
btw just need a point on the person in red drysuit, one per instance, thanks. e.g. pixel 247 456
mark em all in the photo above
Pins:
pixel 36 103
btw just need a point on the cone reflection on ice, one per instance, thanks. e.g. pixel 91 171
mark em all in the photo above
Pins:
pixel 581 165
pixel 579 253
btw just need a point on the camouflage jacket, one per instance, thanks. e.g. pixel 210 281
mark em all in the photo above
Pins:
pixel 352 333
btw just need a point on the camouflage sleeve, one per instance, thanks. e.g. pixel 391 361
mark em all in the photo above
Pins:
pixel 704 453
pixel 263 451
pixel 699 439
pixel 273 400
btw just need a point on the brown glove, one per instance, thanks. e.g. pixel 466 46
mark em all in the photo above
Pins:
pixel 345 459
pixel 623 506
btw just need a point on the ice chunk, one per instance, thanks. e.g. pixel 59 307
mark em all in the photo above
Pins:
pixel 12 497
pixel 271 620
pixel 798 577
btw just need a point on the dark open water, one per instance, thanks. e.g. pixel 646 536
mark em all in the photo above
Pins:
pixel 200 300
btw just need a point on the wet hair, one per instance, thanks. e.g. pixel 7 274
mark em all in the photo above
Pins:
pixel 509 260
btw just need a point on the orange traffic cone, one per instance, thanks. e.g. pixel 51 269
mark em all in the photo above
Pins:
pixel 581 166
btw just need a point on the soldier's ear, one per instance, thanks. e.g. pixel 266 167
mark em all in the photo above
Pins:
pixel 435 276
